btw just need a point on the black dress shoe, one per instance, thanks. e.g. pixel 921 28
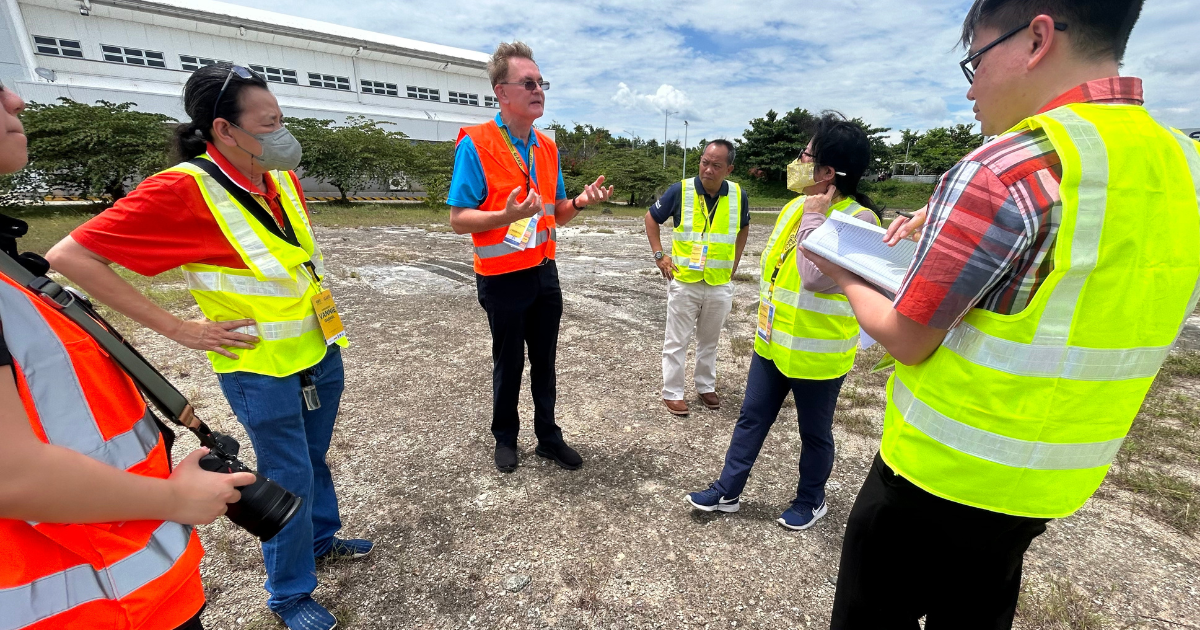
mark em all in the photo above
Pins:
pixel 506 458
pixel 563 455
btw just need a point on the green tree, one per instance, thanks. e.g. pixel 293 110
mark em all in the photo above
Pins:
pixel 432 164
pixel 942 147
pixel 93 150
pixel 772 142
pixel 881 152
pixel 352 155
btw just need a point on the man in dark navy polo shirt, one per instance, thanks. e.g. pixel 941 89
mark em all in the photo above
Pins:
pixel 695 304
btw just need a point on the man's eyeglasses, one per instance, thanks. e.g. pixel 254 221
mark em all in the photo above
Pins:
pixel 529 84
pixel 969 64
pixel 241 71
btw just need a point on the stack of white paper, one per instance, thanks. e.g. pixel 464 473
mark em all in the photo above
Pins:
pixel 859 247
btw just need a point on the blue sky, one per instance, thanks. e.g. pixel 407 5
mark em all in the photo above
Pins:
pixel 619 64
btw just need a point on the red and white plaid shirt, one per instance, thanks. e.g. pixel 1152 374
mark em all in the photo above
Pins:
pixel 989 238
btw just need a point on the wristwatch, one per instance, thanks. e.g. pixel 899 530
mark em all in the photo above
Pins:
pixel 658 255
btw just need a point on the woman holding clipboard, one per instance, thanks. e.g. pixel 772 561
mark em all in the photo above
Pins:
pixel 806 337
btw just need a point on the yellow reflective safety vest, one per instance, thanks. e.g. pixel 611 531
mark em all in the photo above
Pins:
pixel 811 335
pixel 277 289
pixel 704 247
pixel 1023 414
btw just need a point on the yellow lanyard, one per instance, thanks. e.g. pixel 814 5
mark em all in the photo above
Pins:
pixel 525 170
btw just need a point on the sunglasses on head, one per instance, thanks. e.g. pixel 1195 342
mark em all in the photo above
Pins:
pixel 241 71
pixel 530 84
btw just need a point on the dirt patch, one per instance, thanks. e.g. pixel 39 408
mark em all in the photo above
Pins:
pixel 611 545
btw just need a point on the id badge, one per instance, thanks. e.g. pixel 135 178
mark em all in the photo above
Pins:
pixel 331 322
pixel 521 232
pixel 699 256
pixel 766 320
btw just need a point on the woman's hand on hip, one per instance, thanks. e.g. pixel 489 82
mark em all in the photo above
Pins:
pixel 204 334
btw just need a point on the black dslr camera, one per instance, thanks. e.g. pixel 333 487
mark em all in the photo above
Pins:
pixel 265 506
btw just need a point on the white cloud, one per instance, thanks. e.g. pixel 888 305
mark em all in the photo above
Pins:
pixel 894 64
pixel 667 98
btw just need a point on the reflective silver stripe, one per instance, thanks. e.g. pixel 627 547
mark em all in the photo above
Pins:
pixel 245 285
pixel 1054 327
pixel 260 256
pixel 735 209
pixel 684 261
pixel 1069 362
pixel 24 605
pixel 502 248
pixel 1192 154
pixel 548 208
pixel 317 259
pixel 57 394
pixel 997 448
pixel 808 301
pixel 817 346
pixel 687 206
pixel 724 239
pixel 274 331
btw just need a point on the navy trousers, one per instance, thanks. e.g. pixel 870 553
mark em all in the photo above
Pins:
pixel 766 389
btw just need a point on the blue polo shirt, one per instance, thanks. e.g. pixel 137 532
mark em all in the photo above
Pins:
pixel 468 186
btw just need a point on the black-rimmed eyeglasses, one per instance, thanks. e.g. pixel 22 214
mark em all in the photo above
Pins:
pixel 529 84
pixel 241 71
pixel 969 64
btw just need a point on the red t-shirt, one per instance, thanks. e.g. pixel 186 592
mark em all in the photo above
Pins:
pixel 165 223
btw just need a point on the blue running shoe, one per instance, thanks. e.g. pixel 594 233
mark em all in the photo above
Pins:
pixel 343 549
pixel 711 501
pixel 307 614
pixel 799 518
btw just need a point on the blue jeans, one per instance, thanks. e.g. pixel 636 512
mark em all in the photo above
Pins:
pixel 290 443
pixel 766 389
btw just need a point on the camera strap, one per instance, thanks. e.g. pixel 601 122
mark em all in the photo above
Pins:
pixel 153 385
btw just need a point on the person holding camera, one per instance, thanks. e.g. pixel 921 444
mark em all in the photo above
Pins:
pixel 232 215
pixel 96 530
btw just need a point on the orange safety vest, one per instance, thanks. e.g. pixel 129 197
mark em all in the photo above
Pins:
pixel 501 171
pixel 134 575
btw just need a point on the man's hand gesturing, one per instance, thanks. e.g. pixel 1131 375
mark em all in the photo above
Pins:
pixel 514 211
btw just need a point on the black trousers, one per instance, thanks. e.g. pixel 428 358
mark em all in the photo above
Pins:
pixel 908 554
pixel 523 310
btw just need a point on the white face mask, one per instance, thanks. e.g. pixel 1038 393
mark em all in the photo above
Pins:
pixel 281 150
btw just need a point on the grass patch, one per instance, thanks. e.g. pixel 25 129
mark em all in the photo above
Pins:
pixel 896 194
pixel 1057 604
pixel 1168 499
pixel 48 224
pixel 741 346
pixel 1185 364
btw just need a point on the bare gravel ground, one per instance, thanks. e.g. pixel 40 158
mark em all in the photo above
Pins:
pixel 613 545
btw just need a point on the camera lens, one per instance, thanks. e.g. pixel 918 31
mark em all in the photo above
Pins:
pixel 264 509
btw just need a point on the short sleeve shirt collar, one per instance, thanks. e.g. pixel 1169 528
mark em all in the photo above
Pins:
pixel 533 141
pixel 237 177
pixel 1111 90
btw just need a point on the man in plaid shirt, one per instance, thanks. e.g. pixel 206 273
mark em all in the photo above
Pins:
pixel 989 243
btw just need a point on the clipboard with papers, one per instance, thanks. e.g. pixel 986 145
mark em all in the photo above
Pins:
pixel 859 247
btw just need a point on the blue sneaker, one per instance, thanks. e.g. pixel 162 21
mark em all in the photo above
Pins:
pixel 799 518
pixel 307 614
pixel 711 501
pixel 343 549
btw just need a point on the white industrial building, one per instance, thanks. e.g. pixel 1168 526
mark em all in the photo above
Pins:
pixel 143 51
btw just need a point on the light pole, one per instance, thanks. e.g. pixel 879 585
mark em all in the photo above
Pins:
pixel 666 116
pixel 685 129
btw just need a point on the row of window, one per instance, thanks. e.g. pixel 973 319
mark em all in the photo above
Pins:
pixel 191 63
